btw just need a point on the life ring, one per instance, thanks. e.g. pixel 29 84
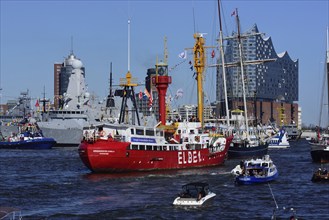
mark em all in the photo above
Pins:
pixel 102 133
pixel 197 138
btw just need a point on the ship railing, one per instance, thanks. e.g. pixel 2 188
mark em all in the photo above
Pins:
pixel 119 138
pixel 10 214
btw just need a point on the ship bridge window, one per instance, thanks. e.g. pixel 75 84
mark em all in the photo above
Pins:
pixel 159 133
pixel 132 131
pixel 148 147
pixel 140 131
pixel 134 147
pixel 150 132
pixel 142 147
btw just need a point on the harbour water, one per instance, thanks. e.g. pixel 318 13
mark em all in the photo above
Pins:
pixel 54 184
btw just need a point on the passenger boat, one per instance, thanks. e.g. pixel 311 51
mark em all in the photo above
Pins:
pixel 321 175
pixel 260 170
pixel 124 147
pixel 279 140
pixel 194 194
pixel 28 138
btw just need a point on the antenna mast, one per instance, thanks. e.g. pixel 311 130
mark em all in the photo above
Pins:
pixel 165 55
pixel 128 45
pixel 71 44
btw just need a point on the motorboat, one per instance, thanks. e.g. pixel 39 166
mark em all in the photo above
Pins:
pixel 260 170
pixel 321 175
pixel 194 194
pixel 279 140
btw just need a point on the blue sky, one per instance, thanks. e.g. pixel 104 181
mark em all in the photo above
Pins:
pixel 37 34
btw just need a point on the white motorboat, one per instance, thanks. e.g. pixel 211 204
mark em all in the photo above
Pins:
pixel 280 140
pixel 194 194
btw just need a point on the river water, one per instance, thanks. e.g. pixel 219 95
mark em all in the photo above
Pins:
pixel 54 184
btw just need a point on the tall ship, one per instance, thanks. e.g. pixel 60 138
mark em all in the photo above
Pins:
pixel 77 108
pixel 247 141
pixel 123 147
pixel 320 145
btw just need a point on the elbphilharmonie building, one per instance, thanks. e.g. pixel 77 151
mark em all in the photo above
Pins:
pixel 271 78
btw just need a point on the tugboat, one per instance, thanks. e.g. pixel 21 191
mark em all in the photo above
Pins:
pixel 194 194
pixel 29 137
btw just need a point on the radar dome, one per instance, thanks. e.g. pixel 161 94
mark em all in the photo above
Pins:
pixel 76 64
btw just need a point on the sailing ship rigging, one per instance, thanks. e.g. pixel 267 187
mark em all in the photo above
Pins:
pixel 320 146
pixel 244 142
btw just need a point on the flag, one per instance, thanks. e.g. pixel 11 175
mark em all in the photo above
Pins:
pixel 140 95
pixel 233 13
pixel 147 93
pixel 182 55
pixel 179 93
pixel 37 104
pixel 151 100
pixel 212 54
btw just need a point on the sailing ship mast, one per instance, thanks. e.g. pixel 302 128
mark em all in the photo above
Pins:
pixel 199 64
pixel 326 75
pixel 223 63
pixel 242 76
pixel 327 60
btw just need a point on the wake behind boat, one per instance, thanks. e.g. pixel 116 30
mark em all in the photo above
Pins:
pixel 260 170
pixel 194 194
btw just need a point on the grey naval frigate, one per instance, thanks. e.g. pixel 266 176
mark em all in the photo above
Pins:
pixel 77 108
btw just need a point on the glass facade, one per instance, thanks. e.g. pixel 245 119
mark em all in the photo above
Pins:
pixel 266 81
